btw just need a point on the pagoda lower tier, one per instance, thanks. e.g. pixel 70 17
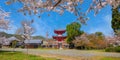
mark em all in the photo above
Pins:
pixel 59 38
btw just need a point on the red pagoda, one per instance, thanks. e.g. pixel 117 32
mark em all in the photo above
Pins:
pixel 59 37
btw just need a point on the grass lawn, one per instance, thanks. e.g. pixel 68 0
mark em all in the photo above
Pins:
pixel 110 58
pixel 6 55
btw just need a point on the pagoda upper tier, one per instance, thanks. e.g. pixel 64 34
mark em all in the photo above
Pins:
pixel 59 32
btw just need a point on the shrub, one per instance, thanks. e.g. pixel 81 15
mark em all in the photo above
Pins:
pixel 113 49
pixel 110 49
pixel 117 49
pixel 22 46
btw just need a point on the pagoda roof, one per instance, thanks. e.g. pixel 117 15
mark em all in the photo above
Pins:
pixel 59 31
pixel 59 38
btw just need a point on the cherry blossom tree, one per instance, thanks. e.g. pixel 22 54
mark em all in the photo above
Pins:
pixel 89 41
pixel 26 30
pixel 60 6
pixel 4 23
pixel 81 41
pixel 113 40
pixel 97 5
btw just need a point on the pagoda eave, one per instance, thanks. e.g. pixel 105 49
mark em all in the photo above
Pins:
pixel 59 31
pixel 59 38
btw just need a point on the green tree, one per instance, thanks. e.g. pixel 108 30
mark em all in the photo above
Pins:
pixel 73 30
pixel 116 19
pixel 98 33
pixel 13 44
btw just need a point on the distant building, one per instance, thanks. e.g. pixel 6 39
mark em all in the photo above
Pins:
pixel 32 43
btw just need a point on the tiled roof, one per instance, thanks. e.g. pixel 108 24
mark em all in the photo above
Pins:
pixel 32 41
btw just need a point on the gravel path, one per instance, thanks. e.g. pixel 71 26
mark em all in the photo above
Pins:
pixel 72 53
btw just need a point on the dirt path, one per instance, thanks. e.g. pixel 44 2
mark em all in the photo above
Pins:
pixel 67 54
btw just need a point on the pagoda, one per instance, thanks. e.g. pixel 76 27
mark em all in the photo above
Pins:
pixel 59 37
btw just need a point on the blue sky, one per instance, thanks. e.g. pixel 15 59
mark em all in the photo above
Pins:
pixel 99 23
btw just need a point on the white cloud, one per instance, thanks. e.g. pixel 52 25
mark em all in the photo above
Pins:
pixel 104 26
pixel 108 19
pixel 42 27
pixel 11 30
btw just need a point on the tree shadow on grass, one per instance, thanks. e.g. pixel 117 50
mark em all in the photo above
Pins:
pixel 9 52
pixel 2 51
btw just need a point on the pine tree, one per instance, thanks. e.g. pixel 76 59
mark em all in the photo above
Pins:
pixel 116 19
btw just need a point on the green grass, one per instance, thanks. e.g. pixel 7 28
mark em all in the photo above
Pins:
pixel 6 55
pixel 110 58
